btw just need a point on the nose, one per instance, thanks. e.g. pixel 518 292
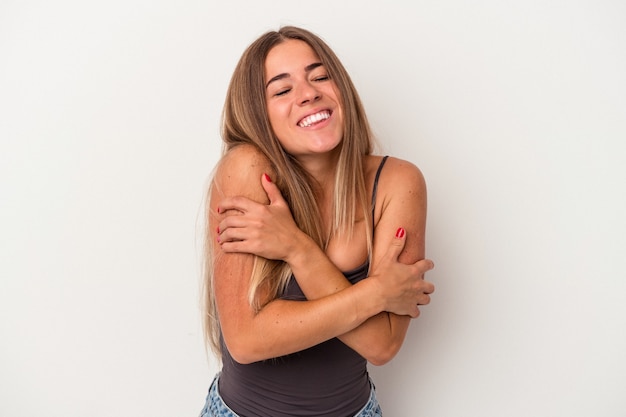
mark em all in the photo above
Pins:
pixel 308 94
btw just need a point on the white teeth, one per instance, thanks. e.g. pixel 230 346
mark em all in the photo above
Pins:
pixel 314 118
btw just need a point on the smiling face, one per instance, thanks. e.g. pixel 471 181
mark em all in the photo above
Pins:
pixel 302 101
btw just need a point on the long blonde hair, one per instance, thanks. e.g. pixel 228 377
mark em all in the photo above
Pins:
pixel 245 121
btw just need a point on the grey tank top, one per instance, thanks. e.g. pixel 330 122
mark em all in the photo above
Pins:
pixel 329 379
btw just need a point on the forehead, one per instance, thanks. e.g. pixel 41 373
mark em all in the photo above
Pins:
pixel 288 57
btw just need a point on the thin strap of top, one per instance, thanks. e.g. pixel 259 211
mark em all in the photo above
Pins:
pixel 375 189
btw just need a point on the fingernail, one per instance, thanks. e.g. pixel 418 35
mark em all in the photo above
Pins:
pixel 218 210
pixel 400 233
pixel 218 230
pixel 267 178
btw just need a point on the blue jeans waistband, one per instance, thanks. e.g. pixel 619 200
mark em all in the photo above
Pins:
pixel 216 407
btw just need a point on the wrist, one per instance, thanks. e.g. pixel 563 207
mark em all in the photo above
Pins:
pixel 370 299
pixel 299 255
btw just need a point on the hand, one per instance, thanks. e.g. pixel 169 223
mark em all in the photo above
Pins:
pixel 259 229
pixel 402 285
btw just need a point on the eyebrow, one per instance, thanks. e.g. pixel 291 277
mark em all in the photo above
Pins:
pixel 307 69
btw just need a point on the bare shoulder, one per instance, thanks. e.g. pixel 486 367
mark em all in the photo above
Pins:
pixel 399 178
pixel 240 162
pixel 404 169
pixel 239 172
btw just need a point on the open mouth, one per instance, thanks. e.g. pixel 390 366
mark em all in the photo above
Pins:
pixel 314 118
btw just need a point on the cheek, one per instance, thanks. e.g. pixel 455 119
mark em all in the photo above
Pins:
pixel 272 117
pixel 278 117
pixel 278 125
pixel 338 115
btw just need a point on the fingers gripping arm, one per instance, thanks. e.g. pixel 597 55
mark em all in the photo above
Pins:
pixel 280 327
pixel 269 231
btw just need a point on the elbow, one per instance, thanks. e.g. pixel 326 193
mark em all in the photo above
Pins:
pixel 380 360
pixel 247 350
pixel 242 352
pixel 382 353
pixel 242 357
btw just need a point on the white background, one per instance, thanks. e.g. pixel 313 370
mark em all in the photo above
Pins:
pixel 514 111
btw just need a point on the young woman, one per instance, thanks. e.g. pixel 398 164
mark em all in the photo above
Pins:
pixel 299 212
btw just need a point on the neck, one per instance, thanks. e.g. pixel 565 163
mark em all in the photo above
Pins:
pixel 322 168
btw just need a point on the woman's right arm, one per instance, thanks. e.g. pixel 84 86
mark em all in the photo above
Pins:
pixel 281 326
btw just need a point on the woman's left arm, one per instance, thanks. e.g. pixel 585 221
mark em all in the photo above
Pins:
pixel 271 232
pixel 402 202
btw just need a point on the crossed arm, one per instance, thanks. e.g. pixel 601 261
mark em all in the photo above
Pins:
pixel 371 317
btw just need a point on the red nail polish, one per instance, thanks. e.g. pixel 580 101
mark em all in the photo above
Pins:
pixel 218 230
pixel 267 178
pixel 218 210
pixel 400 233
